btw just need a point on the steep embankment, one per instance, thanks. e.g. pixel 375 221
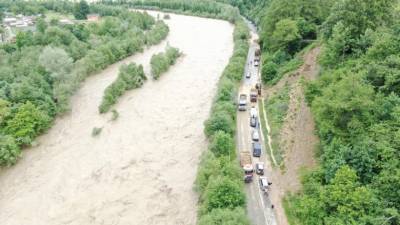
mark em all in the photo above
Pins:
pixel 141 168
pixel 297 136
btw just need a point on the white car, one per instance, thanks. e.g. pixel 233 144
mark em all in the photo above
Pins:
pixel 264 184
pixel 248 75
pixel 255 135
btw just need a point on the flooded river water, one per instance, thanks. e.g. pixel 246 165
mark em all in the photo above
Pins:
pixel 141 168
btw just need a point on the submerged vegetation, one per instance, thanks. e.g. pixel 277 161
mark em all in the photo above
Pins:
pixel 42 69
pixel 130 76
pixel 161 62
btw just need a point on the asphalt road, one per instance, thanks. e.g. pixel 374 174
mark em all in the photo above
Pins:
pixel 259 206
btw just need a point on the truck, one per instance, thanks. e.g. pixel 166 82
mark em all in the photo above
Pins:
pixel 242 102
pixel 247 165
pixel 257 55
pixel 253 95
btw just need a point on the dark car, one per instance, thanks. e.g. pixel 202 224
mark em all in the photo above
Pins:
pixel 256 149
pixel 253 121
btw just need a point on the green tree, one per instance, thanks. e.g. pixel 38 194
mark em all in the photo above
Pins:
pixel 222 145
pixel 9 150
pixel 81 10
pixel 57 62
pixel 27 122
pixel 24 39
pixel 223 193
pixel 285 36
pixel 41 25
pixel 219 122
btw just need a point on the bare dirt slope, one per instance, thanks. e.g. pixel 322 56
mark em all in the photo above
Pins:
pixel 141 168
pixel 298 137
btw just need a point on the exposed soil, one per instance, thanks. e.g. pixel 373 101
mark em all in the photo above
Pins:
pixel 298 139
pixel 141 168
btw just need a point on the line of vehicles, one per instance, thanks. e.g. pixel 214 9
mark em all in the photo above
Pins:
pixel 246 156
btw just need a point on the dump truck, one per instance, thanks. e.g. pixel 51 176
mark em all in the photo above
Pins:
pixel 247 165
pixel 242 102
pixel 253 95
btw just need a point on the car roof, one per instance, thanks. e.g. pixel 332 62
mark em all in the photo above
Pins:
pixel 256 144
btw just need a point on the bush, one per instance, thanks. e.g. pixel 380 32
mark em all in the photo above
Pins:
pixel 9 150
pixel 235 216
pixel 219 122
pixel 130 76
pixel 222 145
pixel 161 62
pixel 269 72
pixel 96 131
pixel 223 193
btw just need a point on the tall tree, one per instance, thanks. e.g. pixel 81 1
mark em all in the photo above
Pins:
pixel 81 10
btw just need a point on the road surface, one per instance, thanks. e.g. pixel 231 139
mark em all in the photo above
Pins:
pixel 259 207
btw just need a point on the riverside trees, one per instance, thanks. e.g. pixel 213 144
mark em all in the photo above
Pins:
pixel 42 69
pixel 355 103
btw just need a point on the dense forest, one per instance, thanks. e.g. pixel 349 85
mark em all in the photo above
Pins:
pixel 355 102
pixel 41 69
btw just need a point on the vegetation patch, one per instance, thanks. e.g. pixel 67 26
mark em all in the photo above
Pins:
pixel 276 107
pixel 96 131
pixel 161 62
pixel 42 69
pixel 130 76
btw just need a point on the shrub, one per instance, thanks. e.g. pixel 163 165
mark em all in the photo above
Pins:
pixel 96 131
pixel 115 115
pixel 161 62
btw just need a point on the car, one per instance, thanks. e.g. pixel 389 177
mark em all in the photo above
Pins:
pixel 264 184
pixel 253 121
pixel 253 111
pixel 248 75
pixel 260 168
pixel 256 149
pixel 255 136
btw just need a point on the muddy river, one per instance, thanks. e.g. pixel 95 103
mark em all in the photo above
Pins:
pixel 141 168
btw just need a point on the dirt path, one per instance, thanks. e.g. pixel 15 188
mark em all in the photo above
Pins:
pixel 141 168
pixel 299 140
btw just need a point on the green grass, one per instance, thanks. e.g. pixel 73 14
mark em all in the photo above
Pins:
pixel 276 108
